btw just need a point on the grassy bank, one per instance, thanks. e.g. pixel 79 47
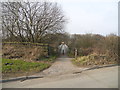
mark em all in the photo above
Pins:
pixel 15 68
pixel 94 59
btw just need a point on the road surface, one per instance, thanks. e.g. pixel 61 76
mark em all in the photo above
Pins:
pixel 61 75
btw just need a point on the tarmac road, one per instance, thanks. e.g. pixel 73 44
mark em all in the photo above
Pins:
pixel 97 78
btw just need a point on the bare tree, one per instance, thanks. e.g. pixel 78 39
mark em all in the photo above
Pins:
pixel 30 21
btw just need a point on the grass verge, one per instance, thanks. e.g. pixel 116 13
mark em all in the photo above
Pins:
pixel 14 66
pixel 94 60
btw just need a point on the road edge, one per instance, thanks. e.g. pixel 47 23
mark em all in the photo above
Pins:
pixel 35 76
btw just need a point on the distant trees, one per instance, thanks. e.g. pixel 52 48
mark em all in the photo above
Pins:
pixel 84 41
pixel 31 21
pixel 109 46
pixel 56 38
pixel 95 43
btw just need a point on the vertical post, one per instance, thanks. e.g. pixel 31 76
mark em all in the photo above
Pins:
pixel 48 51
pixel 75 52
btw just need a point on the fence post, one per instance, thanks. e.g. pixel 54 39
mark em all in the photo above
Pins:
pixel 75 53
pixel 48 51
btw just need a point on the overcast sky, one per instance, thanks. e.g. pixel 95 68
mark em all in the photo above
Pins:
pixel 91 16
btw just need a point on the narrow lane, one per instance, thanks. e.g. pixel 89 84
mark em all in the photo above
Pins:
pixel 62 65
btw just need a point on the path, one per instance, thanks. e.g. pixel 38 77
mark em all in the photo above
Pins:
pixel 63 65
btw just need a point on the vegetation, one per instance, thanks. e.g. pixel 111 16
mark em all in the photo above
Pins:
pixel 39 44
pixel 94 59
pixel 31 21
pixel 15 66
pixel 49 59
pixel 27 52
pixel 32 32
pixel 91 48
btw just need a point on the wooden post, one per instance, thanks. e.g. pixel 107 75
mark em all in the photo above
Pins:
pixel 75 52
pixel 48 50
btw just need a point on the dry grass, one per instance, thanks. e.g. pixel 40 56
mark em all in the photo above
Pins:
pixel 23 52
pixel 94 59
